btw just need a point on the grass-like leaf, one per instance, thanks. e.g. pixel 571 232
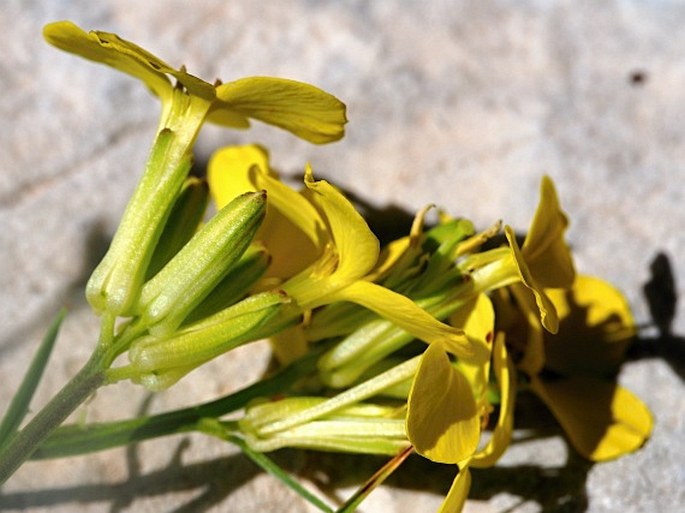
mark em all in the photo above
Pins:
pixel 22 399
pixel 272 468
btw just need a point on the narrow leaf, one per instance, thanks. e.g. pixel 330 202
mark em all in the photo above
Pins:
pixel 22 399
pixel 269 466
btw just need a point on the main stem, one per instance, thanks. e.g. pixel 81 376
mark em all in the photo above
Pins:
pixel 75 392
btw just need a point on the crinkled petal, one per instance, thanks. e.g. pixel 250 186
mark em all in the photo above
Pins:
pixel 302 109
pixel 294 207
pixel 291 220
pixel 601 419
pixel 459 492
pixel 533 359
pixel 229 174
pixel 442 419
pixel 548 314
pixel 356 245
pixel 501 435
pixel 545 249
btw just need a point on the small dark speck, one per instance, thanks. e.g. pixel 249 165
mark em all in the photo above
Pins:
pixel 637 78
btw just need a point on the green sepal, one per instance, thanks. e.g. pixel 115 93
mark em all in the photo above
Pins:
pixel 117 281
pixel 201 264
pixel 186 215
pixel 157 362
pixel 441 243
pixel 240 278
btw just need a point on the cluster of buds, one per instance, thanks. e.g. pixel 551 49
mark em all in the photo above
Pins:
pixel 424 343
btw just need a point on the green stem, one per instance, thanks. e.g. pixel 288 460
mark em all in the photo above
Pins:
pixel 75 439
pixel 20 448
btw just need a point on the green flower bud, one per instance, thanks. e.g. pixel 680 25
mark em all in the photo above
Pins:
pixel 200 265
pixel 240 278
pixel 359 428
pixel 186 215
pixel 116 283
pixel 159 361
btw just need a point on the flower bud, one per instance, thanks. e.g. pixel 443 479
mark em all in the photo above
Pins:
pixel 116 283
pixel 200 265
pixel 239 280
pixel 159 361
pixel 184 220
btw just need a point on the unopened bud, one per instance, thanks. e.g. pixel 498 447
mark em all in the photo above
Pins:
pixel 201 264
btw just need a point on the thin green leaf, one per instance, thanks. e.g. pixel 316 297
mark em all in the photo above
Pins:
pixel 269 466
pixel 374 481
pixel 22 399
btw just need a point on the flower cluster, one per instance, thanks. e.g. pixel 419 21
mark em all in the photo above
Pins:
pixel 421 345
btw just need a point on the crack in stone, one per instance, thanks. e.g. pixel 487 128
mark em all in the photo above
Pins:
pixel 13 198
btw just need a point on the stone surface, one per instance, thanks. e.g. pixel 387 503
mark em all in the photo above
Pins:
pixel 462 104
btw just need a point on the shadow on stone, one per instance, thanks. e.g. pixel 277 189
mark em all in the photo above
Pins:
pixel 662 298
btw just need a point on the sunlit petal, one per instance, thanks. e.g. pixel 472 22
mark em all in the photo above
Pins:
pixel 548 314
pixel 477 319
pixel 406 314
pixel 125 56
pixel 442 419
pixel 544 249
pixel 302 109
pixel 291 220
pixel 533 359
pixel 355 243
pixel 228 172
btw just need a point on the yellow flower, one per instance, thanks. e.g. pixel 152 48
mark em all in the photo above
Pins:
pixel 299 108
pixel 345 251
pixel 302 109
pixel 602 419
pixel 543 261
pixel 448 429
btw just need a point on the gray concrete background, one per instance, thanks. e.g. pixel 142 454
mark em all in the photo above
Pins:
pixel 464 104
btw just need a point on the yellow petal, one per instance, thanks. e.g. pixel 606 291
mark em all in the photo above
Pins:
pixel 459 491
pixel 533 359
pixel 355 243
pixel 406 314
pixel 477 319
pixel 390 255
pixel 125 56
pixel 302 109
pixel 291 221
pixel 545 251
pixel 601 419
pixel 229 168
pixel 442 420
pixel 501 435
pixel 289 344
pixel 293 206
pixel 595 330
pixel 548 314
